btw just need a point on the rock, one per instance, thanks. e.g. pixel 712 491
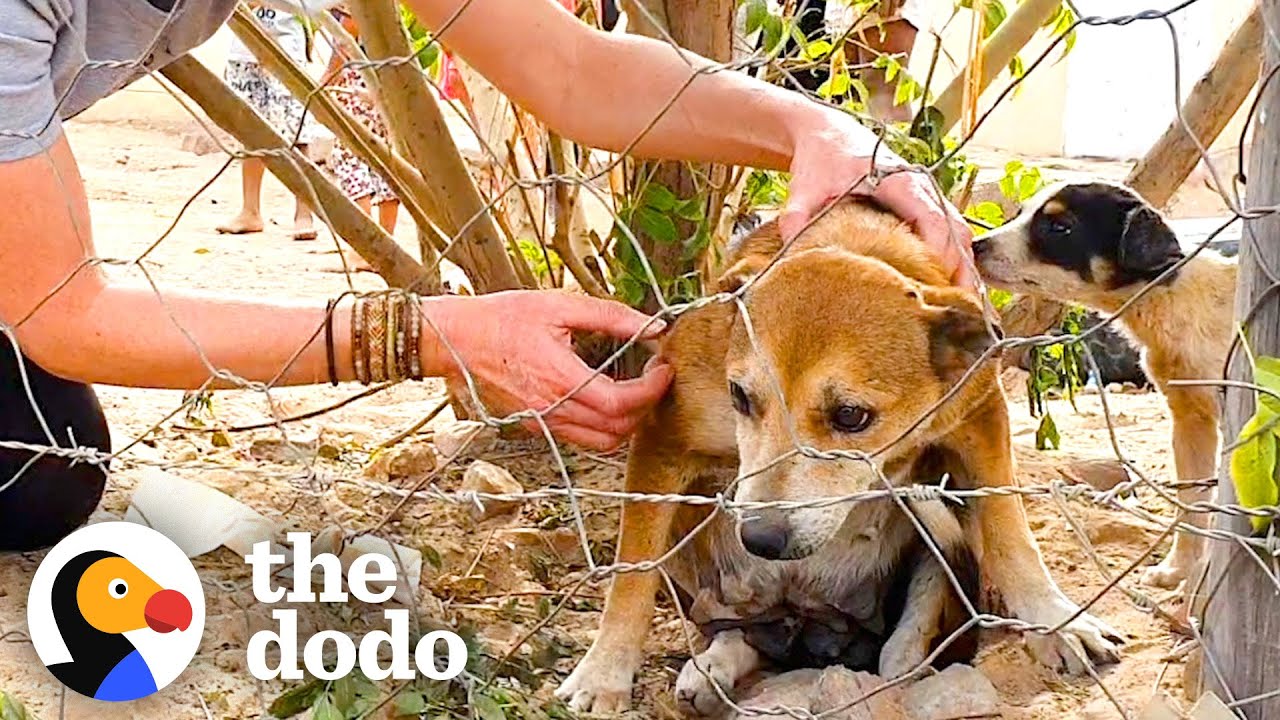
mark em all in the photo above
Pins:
pixel 485 477
pixel 297 448
pixel 958 691
pixel 464 436
pixel 1211 707
pixel 824 691
pixel 561 544
pixel 1101 474
pixel 410 460
pixel 1161 707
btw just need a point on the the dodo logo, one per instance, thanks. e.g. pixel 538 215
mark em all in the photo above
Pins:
pixel 116 611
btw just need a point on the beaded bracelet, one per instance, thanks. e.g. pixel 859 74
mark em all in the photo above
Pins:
pixel 386 333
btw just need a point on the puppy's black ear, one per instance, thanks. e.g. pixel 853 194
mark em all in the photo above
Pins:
pixel 958 333
pixel 1147 245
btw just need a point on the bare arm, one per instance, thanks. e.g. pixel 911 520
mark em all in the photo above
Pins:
pixel 94 330
pixel 625 92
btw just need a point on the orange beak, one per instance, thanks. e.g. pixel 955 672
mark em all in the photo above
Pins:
pixel 168 610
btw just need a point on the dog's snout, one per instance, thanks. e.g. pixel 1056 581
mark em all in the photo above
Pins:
pixel 767 536
pixel 980 246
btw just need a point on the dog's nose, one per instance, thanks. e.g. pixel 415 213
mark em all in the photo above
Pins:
pixel 766 537
pixel 980 246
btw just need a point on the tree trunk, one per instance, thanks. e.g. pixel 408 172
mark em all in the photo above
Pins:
pixel 1241 609
pixel 415 118
pixel 298 174
pixel 706 28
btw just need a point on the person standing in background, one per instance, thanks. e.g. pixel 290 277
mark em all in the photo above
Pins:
pixel 270 99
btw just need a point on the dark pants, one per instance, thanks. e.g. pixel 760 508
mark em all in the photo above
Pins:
pixel 50 497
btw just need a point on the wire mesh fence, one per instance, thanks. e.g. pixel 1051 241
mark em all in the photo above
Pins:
pixel 318 478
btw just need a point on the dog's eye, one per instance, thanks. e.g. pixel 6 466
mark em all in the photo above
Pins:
pixel 1054 225
pixel 741 402
pixel 851 418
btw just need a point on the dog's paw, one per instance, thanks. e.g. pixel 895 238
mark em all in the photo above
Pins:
pixel 699 687
pixel 1167 575
pixel 601 683
pixel 1080 643
pixel 706 680
pixel 902 653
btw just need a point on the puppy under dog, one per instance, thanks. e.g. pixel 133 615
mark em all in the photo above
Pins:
pixel 848 342
pixel 1100 245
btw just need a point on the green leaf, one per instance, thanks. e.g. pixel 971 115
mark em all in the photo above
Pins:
pixel 1253 466
pixel 993 16
pixel 432 556
pixel 817 50
pixel 690 209
pixel 1047 433
pixel 326 710
pixel 658 197
pixel 655 225
pixel 11 709
pixel 757 15
pixel 344 694
pixel 484 707
pixel 410 703
pixel 297 699
pixel 837 84
pixel 771 33
pixel 1266 372
pixel 988 212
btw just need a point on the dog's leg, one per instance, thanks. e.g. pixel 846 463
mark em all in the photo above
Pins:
pixel 722 665
pixel 602 680
pixel 1008 556
pixel 908 646
pixel 1195 453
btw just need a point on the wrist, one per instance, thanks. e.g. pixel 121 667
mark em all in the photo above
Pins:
pixel 438 314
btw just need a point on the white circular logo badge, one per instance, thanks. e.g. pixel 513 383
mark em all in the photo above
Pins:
pixel 116 611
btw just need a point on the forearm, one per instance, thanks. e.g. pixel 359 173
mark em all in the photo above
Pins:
pixel 129 335
pixel 627 92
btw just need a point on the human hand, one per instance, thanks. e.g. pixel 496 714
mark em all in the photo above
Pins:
pixel 516 347
pixel 828 160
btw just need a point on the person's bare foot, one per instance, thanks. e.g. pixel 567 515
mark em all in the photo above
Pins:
pixel 242 224
pixel 304 233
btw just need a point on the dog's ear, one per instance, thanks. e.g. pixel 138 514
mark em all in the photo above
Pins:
pixel 958 333
pixel 1147 245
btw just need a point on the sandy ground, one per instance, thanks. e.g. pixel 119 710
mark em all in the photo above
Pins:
pixel 497 576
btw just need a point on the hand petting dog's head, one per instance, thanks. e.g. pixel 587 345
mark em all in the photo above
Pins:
pixel 1093 243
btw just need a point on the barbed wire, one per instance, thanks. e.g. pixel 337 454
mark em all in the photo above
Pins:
pixel 315 480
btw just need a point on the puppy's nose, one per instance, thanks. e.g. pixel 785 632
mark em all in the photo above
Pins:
pixel 980 246
pixel 766 537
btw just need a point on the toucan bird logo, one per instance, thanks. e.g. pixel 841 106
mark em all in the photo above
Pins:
pixel 124 612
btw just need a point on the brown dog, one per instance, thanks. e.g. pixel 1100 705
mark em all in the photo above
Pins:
pixel 1098 245
pixel 844 344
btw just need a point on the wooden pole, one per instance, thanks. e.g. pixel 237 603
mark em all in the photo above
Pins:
pixel 1007 41
pixel 1241 605
pixel 1209 107
pixel 298 174
pixel 415 118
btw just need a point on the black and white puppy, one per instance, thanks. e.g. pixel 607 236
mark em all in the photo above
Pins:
pixel 1099 245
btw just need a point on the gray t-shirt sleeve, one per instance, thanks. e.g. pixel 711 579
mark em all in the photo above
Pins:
pixel 29 121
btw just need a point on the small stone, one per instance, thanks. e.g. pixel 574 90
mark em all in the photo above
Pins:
pixel 958 691
pixel 1161 707
pixel 1211 707
pixel 563 544
pixel 832 690
pixel 1101 474
pixel 465 436
pixel 405 461
pixel 485 477
pixel 200 142
pixel 278 450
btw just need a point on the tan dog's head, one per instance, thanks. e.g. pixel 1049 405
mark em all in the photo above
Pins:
pixel 847 354
pixel 1091 243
